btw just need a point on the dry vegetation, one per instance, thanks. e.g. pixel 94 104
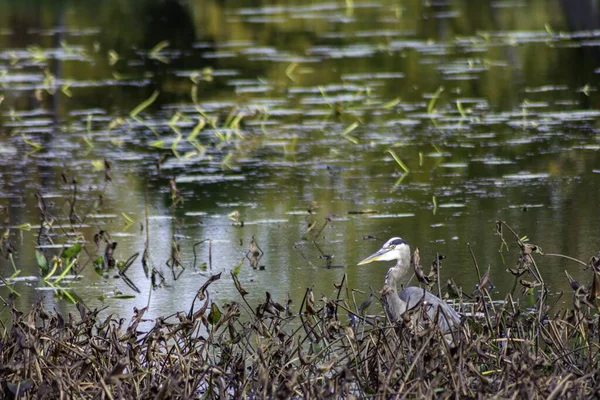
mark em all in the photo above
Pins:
pixel 327 350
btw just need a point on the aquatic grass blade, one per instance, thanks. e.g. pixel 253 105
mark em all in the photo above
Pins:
pixel 398 160
pixel 392 103
pixel 433 100
pixel 144 104
pixel 32 143
pixel 155 52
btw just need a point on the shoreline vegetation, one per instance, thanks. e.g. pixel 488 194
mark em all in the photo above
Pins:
pixel 327 348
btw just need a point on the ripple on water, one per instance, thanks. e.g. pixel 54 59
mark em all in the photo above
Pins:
pixel 209 178
pixel 451 205
pixel 454 165
pixel 380 216
pixel 525 176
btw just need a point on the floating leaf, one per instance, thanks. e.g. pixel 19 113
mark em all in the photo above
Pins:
pixel 99 262
pixel 115 122
pixel 24 227
pixel 238 267
pixel 124 296
pixel 365 211
pixel 72 251
pixel 585 90
pixel 98 164
pixel 160 144
pixel 66 89
pixel 234 216
pixel 41 260
pixel 215 314
pixel 113 57
pixel 290 70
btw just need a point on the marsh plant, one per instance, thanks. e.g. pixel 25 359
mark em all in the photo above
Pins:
pixel 316 349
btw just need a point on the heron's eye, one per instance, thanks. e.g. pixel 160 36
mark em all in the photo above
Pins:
pixel 392 246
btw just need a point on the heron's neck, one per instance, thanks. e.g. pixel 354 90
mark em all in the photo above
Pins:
pixel 397 272
pixel 393 304
pixel 391 278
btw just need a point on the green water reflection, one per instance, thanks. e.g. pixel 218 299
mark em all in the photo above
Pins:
pixel 319 92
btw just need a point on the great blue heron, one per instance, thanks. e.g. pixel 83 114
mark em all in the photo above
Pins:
pixel 396 304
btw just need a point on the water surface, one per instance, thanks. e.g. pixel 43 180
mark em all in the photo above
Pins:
pixel 275 121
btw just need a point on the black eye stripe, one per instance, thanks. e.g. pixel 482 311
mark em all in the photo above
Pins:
pixel 397 241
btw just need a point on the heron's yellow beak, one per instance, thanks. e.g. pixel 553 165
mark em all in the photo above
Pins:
pixel 374 257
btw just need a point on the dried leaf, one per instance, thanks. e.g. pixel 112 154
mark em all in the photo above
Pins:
pixel 201 295
pixel 238 285
pixel 574 284
pixel 415 262
pixel 595 290
pixel 485 278
pixel 310 302
pixel 365 304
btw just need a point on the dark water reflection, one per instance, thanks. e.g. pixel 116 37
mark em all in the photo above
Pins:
pixel 300 105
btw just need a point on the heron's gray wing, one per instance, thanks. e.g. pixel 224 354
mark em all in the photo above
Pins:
pixel 447 317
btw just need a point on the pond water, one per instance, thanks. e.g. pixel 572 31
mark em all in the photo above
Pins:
pixel 320 129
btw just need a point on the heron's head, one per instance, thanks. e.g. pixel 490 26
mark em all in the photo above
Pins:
pixel 394 249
